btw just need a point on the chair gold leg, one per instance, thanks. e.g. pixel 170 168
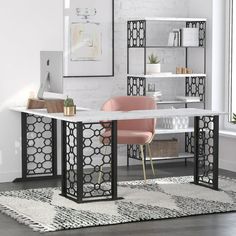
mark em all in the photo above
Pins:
pixel 100 175
pixel 101 168
pixel 150 155
pixel 143 163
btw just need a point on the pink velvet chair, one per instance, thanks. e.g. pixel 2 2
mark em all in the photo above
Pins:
pixel 139 132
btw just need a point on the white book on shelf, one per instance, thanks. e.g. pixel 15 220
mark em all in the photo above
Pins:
pixel 177 37
pixel 171 39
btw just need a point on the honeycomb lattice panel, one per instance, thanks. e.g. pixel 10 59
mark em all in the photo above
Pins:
pixel 39 145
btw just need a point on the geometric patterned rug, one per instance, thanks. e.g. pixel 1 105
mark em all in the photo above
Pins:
pixel 44 210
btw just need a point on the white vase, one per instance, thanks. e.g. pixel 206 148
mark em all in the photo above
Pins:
pixel 153 68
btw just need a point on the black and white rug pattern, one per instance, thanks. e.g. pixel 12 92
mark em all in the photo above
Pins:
pixel 44 210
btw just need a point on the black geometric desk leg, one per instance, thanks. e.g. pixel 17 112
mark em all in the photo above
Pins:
pixel 114 160
pixel 83 155
pixel 72 160
pixel 54 147
pixel 80 163
pixel 63 158
pixel 206 145
pixel 39 148
pixel 24 145
pixel 216 153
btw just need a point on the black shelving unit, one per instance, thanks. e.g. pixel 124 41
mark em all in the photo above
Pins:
pixel 195 84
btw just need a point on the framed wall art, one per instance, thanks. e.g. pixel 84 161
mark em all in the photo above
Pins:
pixel 88 38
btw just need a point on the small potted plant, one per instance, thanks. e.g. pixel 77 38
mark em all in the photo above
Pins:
pixel 154 66
pixel 69 107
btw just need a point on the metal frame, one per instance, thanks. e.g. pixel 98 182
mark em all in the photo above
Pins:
pixel 136 86
pixel 82 145
pixel 39 148
pixel 113 56
pixel 206 147
pixel 134 152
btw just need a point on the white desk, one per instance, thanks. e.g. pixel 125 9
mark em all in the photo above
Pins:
pixel 79 133
pixel 95 115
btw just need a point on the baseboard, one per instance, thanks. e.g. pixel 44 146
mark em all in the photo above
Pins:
pixel 9 176
pixel 228 165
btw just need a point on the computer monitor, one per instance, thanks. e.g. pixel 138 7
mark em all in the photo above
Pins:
pixel 51 74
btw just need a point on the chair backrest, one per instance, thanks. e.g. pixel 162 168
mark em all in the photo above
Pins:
pixel 129 103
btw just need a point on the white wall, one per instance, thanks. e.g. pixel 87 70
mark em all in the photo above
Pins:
pixel 204 8
pixel 27 27
pixel 228 153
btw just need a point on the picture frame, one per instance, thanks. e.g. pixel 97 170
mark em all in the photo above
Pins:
pixel 88 38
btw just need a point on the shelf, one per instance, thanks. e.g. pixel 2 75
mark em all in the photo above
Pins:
pixel 138 83
pixel 180 156
pixel 174 131
pixel 167 75
pixel 167 47
pixel 177 102
pixel 175 19
pixel 159 46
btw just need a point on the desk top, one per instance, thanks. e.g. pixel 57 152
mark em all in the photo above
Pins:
pixel 95 115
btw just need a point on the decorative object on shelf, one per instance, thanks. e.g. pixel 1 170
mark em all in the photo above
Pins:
pixel 188 98
pixel 69 107
pixel 154 66
pixel 164 148
pixel 151 87
pixel 88 38
pixel 189 71
pixel 190 37
pixel 183 70
pixel 178 70
pixel 156 95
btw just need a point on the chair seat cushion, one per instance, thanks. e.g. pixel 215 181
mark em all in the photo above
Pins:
pixel 129 137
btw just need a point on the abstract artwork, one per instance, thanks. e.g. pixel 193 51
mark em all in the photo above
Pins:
pixel 88 38
pixel 86 42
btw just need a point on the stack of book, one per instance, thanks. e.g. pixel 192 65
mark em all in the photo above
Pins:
pixel 174 38
pixel 185 37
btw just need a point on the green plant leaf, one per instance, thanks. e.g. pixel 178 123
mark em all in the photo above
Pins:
pixel 68 102
pixel 153 59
